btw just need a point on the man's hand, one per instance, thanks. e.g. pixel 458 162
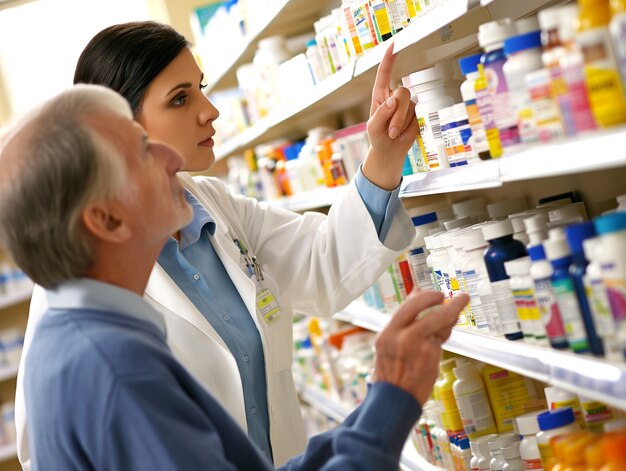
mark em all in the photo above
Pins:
pixel 392 128
pixel 408 349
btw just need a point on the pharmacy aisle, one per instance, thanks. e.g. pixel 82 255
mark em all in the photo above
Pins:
pixel 515 187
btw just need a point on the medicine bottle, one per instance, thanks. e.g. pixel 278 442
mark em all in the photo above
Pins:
pixel 474 272
pixel 429 86
pixel 495 447
pixel 472 400
pixel 511 455
pixel 612 230
pixel 418 253
pixel 553 423
pixel 528 428
pixel 502 248
pixel 524 56
pixel 484 455
pixel 491 38
pixel 469 68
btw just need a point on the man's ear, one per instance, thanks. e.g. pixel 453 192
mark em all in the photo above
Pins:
pixel 106 222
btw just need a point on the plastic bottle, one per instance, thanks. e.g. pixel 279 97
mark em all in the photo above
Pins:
pixel 465 455
pixel 524 56
pixel 617 26
pixel 454 143
pixel 598 299
pixel 271 52
pixel 558 253
pixel 536 229
pixel 523 290
pixel 473 207
pixel 519 230
pixel 484 453
pixel 507 392
pixel 558 398
pixel 606 92
pixel 398 14
pixel 595 414
pixel 574 103
pixel 576 234
pixel 381 16
pixel 502 209
pixel 362 26
pixel 541 272
pixel 475 456
pixel 418 253
pixel 614 448
pixel 502 248
pixel 495 447
pixel 453 419
pixel 612 256
pixel 511 455
pixel 552 423
pixel 469 68
pixel 491 38
pixel 429 86
pixel 472 400
pixel 528 428
pixel 474 272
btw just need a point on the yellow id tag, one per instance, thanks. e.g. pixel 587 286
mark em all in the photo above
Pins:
pixel 270 310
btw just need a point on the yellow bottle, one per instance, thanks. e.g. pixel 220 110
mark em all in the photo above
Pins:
pixel 450 415
pixel 614 447
pixel 485 108
pixel 618 32
pixel 508 392
pixel 602 77
pixel 594 456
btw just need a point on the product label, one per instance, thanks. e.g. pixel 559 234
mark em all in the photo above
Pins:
pixel 485 107
pixel 599 306
pixel 618 25
pixel 575 405
pixel 549 311
pixel 545 450
pixel 506 306
pixel 521 298
pixel 570 314
pixel 476 125
pixel 356 44
pixel 430 139
pixel 595 415
pixel 545 110
pixel 382 19
pixel 604 86
pixel 504 118
pixel 532 464
pixel 508 392
pixel 475 307
pixel 475 413
pixel 362 27
pixel 423 276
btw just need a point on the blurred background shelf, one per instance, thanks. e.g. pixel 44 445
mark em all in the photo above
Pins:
pixel 8 300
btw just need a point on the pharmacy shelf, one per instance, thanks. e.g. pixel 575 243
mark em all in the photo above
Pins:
pixel 574 156
pixel 285 17
pixel 8 300
pixel 600 379
pixel 442 33
pixel 410 459
pixel 311 199
pixel 8 372
pixel 8 451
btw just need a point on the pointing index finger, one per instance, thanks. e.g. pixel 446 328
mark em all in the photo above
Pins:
pixel 383 75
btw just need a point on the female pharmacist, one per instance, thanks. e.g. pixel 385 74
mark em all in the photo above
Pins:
pixel 228 283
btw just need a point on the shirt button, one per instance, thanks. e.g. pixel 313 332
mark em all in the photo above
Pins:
pixel 196 277
pixel 226 318
pixel 253 410
pixel 246 358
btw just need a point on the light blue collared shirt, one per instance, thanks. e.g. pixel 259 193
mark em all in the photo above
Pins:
pixel 197 270
pixel 87 293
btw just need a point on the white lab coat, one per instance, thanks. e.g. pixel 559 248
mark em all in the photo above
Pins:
pixel 314 264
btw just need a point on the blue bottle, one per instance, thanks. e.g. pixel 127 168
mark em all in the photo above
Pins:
pixel 576 234
pixel 502 248
pixel 560 257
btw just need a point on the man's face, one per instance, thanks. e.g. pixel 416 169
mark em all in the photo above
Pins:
pixel 154 205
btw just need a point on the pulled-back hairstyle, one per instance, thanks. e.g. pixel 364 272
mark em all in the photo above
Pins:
pixel 127 57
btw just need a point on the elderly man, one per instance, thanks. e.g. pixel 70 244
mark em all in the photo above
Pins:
pixel 87 202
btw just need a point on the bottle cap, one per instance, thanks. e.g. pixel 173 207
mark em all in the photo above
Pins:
pixel 501 441
pixel 447 365
pixel 502 209
pixel 527 423
pixel 495 32
pixel 473 240
pixel 522 42
pixel 511 452
pixel 556 248
pixel 469 64
pixel 568 15
pixel 556 418
pixel 464 443
pixel 423 219
pixel 536 223
pixel 577 233
pixel 458 223
pixel 609 223
pixel 590 246
pixel 536 253
pixel 483 446
pixel 429 78
pixel 470 207
pixel 464 369
pixel 568 211
pixel 527 25
pixel 549 18
pixel 621 200
pixel 497 229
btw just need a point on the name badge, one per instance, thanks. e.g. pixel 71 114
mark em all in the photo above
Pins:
pixel 270 310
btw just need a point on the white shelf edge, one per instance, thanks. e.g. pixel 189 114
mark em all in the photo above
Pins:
pixel 8 451
pixel 311 199
pixel 8 300
pixel 409 459
pixel 246 42
pixel 601 380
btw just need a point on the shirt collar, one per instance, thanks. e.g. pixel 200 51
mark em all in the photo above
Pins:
pixel 86 293
pixel 190 234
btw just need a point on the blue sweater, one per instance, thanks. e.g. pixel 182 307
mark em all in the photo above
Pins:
pixel 104 392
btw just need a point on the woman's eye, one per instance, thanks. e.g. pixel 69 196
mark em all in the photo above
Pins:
pixel 179 100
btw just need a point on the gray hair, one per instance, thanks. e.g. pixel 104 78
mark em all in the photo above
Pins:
pixel 53 164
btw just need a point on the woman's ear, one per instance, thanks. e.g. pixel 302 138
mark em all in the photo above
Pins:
pixel 105 222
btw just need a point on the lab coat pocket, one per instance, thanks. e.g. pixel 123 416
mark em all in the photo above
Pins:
pixel 277 326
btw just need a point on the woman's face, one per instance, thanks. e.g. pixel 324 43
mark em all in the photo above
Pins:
pixel 175 111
